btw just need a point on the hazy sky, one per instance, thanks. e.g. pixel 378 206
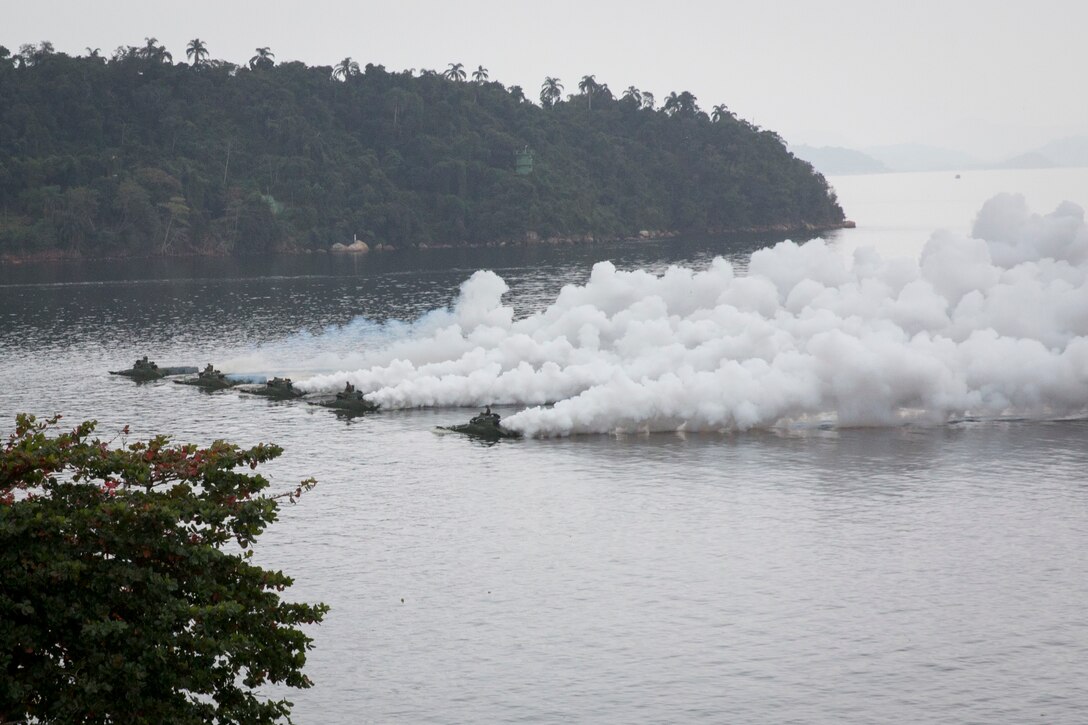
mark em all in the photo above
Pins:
pixel 991 77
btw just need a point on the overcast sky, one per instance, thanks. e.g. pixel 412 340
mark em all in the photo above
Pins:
pixel 991 77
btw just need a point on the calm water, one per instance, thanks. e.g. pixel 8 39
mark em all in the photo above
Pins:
pixel 859 575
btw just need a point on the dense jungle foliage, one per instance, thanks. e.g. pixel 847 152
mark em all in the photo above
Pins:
pixel 138 155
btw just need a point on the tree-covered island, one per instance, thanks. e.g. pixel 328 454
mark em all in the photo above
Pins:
pixel 140 153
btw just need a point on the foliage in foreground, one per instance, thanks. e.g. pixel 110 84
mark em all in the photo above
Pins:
pixel 118 602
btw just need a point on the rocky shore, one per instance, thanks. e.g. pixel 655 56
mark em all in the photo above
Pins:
pixel 358 246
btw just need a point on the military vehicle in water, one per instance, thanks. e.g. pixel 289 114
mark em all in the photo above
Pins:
pixel 277 389
pixel 143 370
pixel 349 401
pixel 485 425
pixel 209 379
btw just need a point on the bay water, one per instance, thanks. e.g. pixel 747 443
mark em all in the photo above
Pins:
pixel 916 573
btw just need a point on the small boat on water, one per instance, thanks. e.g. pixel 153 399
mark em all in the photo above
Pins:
pixel 349 401
pixel 486 426
pixel 143 370
pixel 210 379
pixel 277 389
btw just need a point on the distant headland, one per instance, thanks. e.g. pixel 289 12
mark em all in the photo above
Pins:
pixel 135 155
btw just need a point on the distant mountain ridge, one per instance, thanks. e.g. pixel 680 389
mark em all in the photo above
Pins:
pixel 836 160
pixel 1066 152
pixel 922 157
pixel 1029 160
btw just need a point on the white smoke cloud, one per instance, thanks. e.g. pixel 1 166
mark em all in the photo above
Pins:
pixel 990 325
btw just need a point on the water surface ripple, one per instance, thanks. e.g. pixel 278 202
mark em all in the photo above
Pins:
pixel 924 575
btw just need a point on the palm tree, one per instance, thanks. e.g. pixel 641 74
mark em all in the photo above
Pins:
pixel 588 85
pixel 688 106
pixel 647 100
pixel 345 69
pixel 93 52
pixel 480 74
pixel 153 51
pixel 550 91
pixel 265 58
pixel 197 52
pixel 681 104
pixel 672 103
pixel 633 94
pixel 456 72
pixel 720 112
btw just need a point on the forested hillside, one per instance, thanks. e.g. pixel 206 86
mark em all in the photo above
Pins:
pixel 138 154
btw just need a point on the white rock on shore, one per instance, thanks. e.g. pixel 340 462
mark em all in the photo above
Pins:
pixel 356 247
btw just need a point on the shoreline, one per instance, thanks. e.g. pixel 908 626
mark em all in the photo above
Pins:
pixel 530 239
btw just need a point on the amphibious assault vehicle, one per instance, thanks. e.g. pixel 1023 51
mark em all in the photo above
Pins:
pixel 485 425
pixel 277 389
pixel 349 401
pixel 210 379
pixel 143 370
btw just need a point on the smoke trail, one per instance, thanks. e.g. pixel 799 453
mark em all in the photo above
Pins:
pixel 338 347
pixel 990 325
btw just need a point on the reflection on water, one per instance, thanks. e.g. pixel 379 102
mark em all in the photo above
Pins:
pixel 865 575
pixel 153 304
